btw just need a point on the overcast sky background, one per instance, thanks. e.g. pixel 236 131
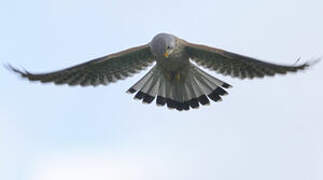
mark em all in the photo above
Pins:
pixel 265 129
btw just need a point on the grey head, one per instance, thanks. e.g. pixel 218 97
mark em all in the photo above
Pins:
pixel 163 44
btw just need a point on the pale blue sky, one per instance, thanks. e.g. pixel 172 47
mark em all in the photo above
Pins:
pixel 265 129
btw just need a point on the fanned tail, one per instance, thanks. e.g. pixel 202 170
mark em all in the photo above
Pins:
pixel 195 90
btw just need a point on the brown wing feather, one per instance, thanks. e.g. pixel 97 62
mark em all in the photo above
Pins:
pixel 97 71
pixel 236 65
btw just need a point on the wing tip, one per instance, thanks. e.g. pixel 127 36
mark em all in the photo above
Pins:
pixel 306 64
pixel 24 73
pixel 312 62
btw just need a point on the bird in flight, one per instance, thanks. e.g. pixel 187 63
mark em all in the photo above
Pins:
pixel 174 81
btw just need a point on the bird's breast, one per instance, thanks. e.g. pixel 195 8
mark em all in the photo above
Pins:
pixel 174 68
pixel 172 63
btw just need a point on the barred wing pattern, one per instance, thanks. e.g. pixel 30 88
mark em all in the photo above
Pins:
pixel 236 65
pixel 102 70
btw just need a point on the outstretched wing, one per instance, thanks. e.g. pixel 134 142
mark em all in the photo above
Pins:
pixel 97 71
pixel 236 65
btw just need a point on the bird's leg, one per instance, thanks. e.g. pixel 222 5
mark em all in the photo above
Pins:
pixel 178 76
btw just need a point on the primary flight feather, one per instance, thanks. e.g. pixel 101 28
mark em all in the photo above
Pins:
pixel 174 81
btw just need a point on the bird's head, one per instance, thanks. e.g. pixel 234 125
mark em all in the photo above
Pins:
pixel 162 45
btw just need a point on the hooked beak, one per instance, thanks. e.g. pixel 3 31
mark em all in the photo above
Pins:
pixel 166 54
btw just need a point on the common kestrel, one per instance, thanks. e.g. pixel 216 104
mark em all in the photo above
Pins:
pixel 174 80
